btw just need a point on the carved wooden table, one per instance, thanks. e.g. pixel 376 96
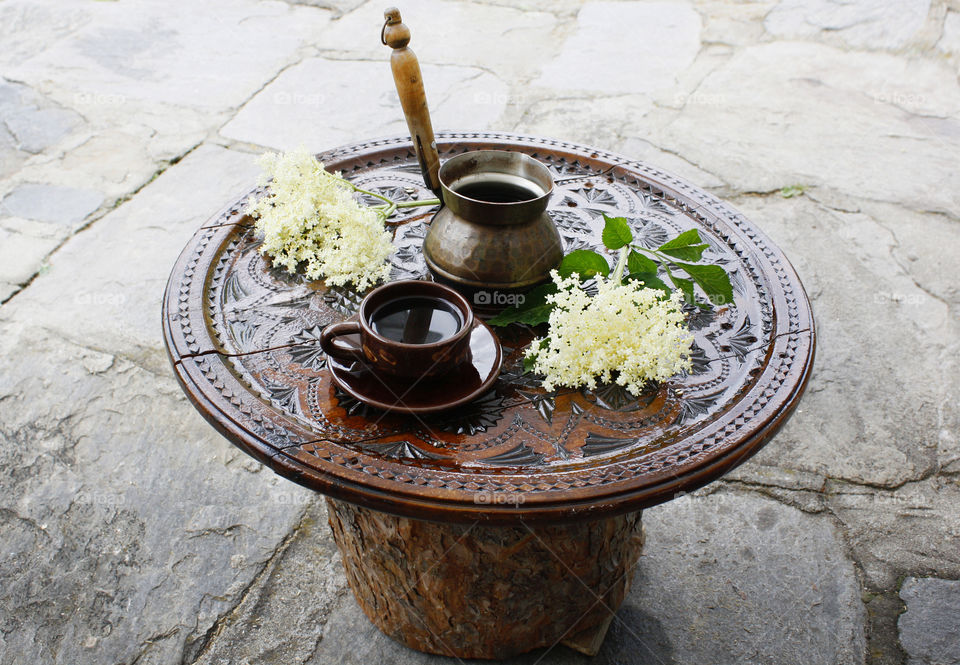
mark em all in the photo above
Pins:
pixel 514 521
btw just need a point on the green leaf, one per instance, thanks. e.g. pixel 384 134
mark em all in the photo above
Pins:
pixel 685 239
pixel 685 285
pixel 616 232
pixel 688 253
pixel 686 246
pixel 638 263
pixel 532 316
pixel 585 262
pixel 713 280
pixel 533 311
pixel 650 280
pixel 528 363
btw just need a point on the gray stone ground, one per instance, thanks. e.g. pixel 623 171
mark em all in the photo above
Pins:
pixel 130 532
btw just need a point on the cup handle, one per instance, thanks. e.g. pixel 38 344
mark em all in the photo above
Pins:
pixel 340 351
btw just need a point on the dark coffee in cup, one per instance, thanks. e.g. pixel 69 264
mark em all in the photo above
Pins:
pixel 410 328
pixel 416 320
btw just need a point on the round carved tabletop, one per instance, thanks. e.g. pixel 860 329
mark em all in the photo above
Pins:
pixel 243 340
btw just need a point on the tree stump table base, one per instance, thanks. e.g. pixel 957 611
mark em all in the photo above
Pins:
pixel 478 591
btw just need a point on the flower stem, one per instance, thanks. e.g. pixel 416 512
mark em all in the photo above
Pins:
pixel 621 264
pixel 389 205
pixel 655 254
pixel 414 204
pixel 358 189
pixel 385 210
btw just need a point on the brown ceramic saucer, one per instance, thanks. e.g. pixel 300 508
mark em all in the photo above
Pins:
pixel 425 395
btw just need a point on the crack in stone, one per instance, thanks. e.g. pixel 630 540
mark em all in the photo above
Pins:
pixel 195 650
pixel 764 490
pixel 121 356
pixel 676 154
pixel 811 194
pixel 881 620
pixel 760 193
pixel 316 647
pixel 561 14
pixel 906 270
pixel 12 514
pixel 151 640
pixel 811 190
pixel 726 58
pixel 234 109
pixel 225 532
pixel 825 489
pixel 931 472
pixel 331 55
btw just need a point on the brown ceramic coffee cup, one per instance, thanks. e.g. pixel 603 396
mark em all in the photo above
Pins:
pixel 409 328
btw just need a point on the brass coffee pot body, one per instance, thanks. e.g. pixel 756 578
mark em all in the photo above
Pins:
pixel 493 231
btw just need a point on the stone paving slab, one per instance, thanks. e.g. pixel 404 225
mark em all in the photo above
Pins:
pixel 32 122
pixel 46 203
pixel 182 52
pixel 284 117
pixel 664 36
pixel 845 262
pixel 21 256
pixel 886 25
pixel 509 41
pixel 133 533
pixel 930 628
pixel 765 130
pixel 284 617
pixel 114 303
pixel 916 528
pixel 120 543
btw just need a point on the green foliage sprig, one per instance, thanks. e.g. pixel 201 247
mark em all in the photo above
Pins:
pixel 679 259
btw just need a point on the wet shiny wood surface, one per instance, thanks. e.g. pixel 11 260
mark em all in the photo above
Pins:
pixel 243 340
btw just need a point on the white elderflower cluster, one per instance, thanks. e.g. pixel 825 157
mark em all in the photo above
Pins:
pixel 625 333
pixel 310 216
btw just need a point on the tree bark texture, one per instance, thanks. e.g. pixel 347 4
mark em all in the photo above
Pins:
pixel 475 591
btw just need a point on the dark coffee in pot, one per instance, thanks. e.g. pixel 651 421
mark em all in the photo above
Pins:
pixel 497 191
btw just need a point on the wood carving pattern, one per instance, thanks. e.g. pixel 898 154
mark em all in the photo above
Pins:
pixel 242 337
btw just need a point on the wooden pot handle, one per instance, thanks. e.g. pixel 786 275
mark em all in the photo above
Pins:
pixel 413 99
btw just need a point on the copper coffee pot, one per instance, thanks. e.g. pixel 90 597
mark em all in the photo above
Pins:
pixel 493 231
